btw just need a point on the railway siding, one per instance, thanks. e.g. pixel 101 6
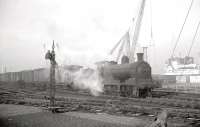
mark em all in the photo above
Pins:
pixel 180 109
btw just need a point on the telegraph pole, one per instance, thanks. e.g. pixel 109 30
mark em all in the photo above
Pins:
pixel 50 55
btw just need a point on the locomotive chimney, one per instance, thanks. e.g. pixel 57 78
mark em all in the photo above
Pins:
pixel 140 57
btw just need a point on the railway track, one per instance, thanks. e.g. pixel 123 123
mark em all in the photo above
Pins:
pixel 179 108
pixel 171 93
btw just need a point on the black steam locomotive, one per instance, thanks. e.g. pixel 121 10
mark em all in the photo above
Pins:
pixel 128 79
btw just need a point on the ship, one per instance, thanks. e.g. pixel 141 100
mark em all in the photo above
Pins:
pixel 182 72
pixel 181 66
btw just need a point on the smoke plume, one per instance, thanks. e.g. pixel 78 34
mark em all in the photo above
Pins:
pixel 87 79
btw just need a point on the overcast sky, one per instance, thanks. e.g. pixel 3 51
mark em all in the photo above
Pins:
pixel 86 30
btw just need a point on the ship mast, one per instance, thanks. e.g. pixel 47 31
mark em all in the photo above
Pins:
pixel 179 35
pixel 193 40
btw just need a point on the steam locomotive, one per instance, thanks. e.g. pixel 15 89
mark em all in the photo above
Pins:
pixel 128 79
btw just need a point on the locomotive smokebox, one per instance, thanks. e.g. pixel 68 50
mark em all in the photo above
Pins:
pixel 140 57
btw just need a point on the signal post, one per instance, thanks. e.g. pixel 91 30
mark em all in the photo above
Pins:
pixel 50 55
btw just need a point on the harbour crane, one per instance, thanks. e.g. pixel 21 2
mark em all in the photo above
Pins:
pixel 125 44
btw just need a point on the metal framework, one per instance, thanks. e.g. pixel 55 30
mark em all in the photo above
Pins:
pixel 50 55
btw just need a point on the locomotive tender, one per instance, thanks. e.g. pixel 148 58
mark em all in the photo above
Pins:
pixel 128 79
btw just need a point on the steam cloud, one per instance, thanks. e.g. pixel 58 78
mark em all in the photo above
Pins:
pixel 86 79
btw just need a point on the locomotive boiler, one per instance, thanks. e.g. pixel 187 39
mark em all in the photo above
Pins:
pixel 128 79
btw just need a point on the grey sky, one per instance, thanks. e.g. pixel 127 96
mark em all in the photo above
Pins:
pixel 87 30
